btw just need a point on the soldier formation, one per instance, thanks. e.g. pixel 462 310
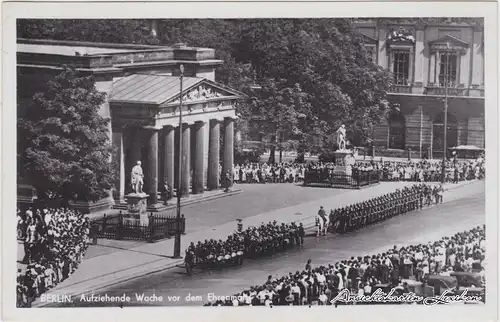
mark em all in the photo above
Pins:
pixel 359 215
pixel 252 242
pixel 463 252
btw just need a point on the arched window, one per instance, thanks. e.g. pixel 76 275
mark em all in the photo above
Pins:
pixel 396 131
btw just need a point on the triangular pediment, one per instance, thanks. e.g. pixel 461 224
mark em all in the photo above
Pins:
pixel 203 91
pixel 448 42
pixel 165 90
pixel 367 40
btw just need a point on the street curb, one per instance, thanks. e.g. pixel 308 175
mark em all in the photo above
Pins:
pixel 208 198
pixel 172 206
pixel 466 183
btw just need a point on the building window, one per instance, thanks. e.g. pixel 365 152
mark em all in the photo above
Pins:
pixel 396 131
pixel 448 69
pixel 401 67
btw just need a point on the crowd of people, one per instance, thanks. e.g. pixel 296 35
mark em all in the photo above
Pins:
pixel 55 241
pixel 359 215
pixel 417 171
pixel 252 242
pixel 426 171
pixel 269 173
pixel 462 252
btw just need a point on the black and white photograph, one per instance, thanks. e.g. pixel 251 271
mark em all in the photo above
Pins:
pixel 253 162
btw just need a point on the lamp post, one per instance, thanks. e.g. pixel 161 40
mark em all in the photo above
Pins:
pixel 177 241
pixel 445 145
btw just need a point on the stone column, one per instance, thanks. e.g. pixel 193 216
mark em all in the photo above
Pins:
pixel 168 160
pixel 119 157
pixel 419 58
pixel 382 50
pixel 186 160
pixel 477 63
pixel 228 147
pixel 198 168
pixel 136 147
pixel 213 155
pixel 432 69
pixel 152 171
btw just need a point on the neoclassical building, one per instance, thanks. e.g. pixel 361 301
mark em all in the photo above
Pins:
pixel 423 55
pixel 143 90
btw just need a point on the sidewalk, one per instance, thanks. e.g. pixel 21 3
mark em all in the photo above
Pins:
pixel 103 271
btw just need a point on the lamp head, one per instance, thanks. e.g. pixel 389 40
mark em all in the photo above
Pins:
pixel 182 68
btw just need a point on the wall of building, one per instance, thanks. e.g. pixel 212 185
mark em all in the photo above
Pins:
pixel 381 134
pixel 475 131
pixel 471 62
pixel 413 129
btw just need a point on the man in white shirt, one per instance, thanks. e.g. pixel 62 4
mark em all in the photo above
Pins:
pixel 341 281
pixel 367 289
pixel 262 295
pixel 452 259
pixel 322 298
pixel 321 279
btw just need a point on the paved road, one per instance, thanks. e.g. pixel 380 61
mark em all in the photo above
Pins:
pixel 255 199
pixel 432 223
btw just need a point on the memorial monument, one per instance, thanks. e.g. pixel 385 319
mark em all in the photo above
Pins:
pixel 344 159
pixel 137 200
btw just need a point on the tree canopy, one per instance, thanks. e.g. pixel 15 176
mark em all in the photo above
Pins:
pixel 313 74
pixel 63 145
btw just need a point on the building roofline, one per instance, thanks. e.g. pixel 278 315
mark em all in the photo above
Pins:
pixel 87 44
pixel 137 47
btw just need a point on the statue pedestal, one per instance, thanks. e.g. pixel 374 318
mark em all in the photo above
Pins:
pixel 137 204
pixel 342 163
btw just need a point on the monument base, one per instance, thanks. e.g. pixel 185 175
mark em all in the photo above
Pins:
pixel 137 204
pixel 343 164
pixel 342 170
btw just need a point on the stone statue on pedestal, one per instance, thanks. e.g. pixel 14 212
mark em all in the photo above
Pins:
pixel 137 178
pixel 341 134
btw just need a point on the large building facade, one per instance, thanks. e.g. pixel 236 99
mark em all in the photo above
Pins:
pixel 143 92
pixel 425 55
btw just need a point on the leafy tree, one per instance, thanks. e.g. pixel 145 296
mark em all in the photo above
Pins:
pixel 314 68
pixel 63 145
pixel 132 31
pixel 278 119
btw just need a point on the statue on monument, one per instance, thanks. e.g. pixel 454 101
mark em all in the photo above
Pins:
pixel 341 134
pixel 137 178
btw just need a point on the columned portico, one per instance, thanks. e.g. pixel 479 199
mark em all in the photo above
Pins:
pixel 169 160
pixel 151 181
pixel 136 145
pixel 186 159
pixel 206 105
pixel 227 165
pixel 213 154
pixel 119 155
pixel 198 169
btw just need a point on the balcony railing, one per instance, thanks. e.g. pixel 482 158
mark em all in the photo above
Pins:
pixel 452 91
pixel 432 89
pixel 400 89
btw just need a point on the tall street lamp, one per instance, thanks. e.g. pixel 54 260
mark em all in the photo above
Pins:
pixel 177 241
pixel 445 145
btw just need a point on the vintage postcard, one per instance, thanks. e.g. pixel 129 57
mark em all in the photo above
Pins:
pixel 298 160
